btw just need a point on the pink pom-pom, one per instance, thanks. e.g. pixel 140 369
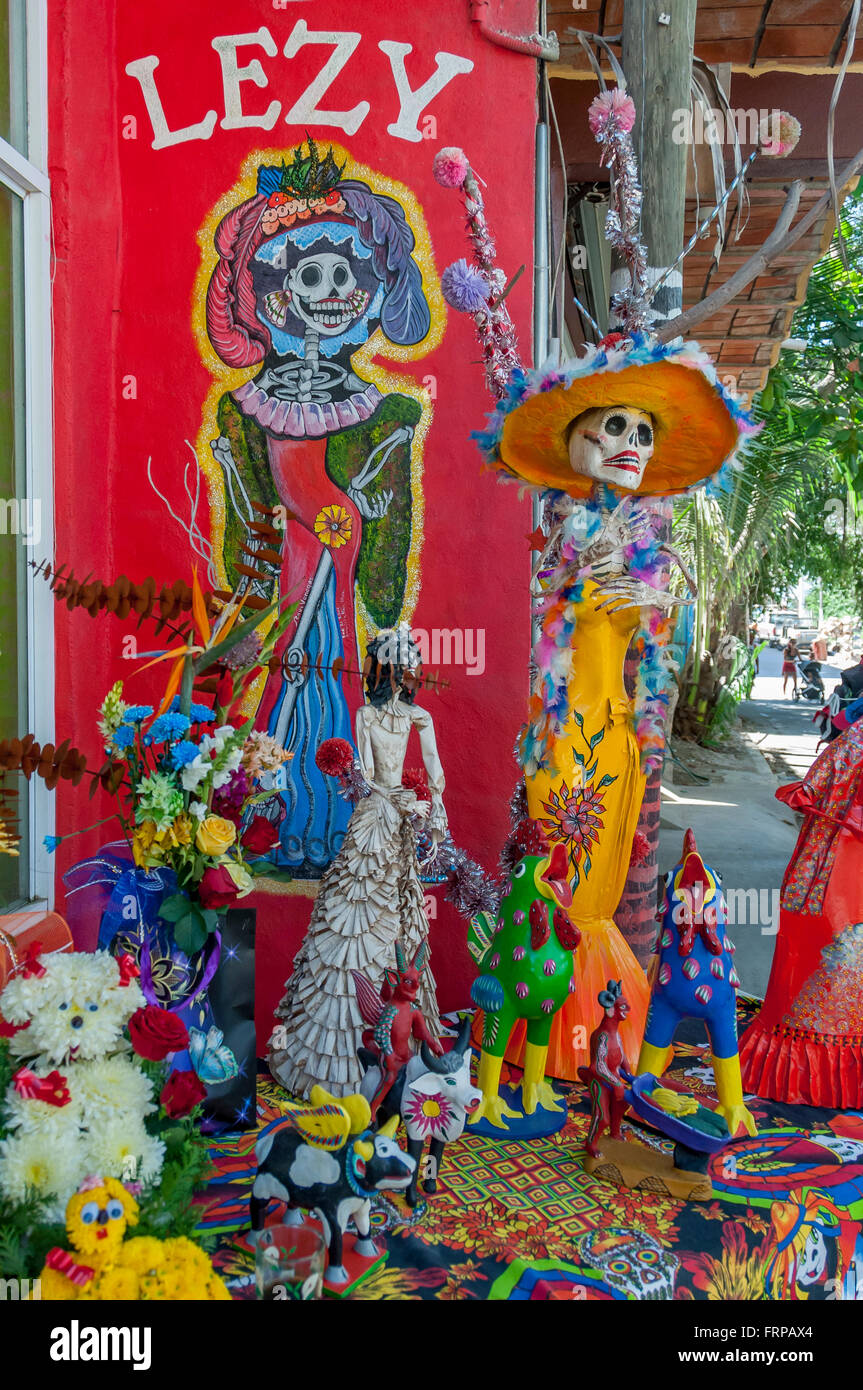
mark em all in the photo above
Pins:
pixel 334 757
pixel 778 134
pixel 611 108
pixel 450 167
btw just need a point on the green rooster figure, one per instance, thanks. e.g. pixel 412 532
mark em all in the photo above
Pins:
pixel 525 952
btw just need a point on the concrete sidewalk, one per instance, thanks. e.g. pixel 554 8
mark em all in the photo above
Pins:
pixel 740 828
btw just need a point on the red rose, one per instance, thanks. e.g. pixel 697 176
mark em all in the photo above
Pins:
pixel 181 1093
pixel 155 1032
pixel 261 836
pixel 217 888
pixel 335 757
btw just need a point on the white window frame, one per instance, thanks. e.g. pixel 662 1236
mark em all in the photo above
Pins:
pixel 27 177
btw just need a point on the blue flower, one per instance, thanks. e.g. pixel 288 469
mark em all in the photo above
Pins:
pixel 183 753
pixel 124 737
pixel 51 842
pixel 168 727
pixel 136 713
pixel 199 714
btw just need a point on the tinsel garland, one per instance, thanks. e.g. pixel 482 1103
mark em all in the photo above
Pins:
pixel 611 118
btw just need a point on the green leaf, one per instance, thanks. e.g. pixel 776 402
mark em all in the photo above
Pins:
pixel 215 654
pixel 190 932
pixel 597 738
pixel 606 781
pixel 174 908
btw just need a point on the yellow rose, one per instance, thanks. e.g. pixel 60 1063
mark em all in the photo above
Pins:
pixel 215 835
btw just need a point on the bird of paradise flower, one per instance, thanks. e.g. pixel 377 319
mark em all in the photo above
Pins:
pixel 576 814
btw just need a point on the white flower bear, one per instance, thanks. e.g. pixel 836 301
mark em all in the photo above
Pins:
pixel 78 1097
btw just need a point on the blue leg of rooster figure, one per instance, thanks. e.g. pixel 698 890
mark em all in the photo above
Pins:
pixel 695 978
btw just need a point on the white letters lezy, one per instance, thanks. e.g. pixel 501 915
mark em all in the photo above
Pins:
pixel 305 110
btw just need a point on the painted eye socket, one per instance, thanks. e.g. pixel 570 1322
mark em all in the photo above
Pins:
pixel 90 1213
pixel 620 1266
pixel 519 871
pixel 340 275
pixel 615 424
pixel 648 1257
pixel 115 1210
pixel 450 1080
pixel 310 276
pixel 645 434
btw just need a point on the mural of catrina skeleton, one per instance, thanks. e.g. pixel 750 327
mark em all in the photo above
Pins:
pixel 316 273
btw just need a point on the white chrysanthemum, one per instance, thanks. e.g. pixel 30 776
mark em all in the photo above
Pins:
pixel 108 1086
pixel 77 1009
pixel 38 1117
pixel 37 1160
pixel 122 1148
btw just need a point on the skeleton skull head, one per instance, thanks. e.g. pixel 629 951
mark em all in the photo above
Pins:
pixel 612 444
pixel 324 293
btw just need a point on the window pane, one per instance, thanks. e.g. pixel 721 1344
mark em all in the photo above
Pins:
pixel 13 73
pixel 15 522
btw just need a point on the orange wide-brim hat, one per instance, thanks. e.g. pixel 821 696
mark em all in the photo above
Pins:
pixel 697 423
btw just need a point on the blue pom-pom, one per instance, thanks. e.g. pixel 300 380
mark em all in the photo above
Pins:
pixel 464 288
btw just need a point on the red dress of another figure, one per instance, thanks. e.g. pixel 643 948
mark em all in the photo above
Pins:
pixel 806 1045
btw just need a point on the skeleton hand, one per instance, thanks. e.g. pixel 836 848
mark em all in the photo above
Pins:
pixel 374 508
pixel 370 508
pixel 625 592
pixel 617 532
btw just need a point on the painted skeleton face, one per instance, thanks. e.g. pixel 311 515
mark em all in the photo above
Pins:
pixel 612 444
pixel 324 293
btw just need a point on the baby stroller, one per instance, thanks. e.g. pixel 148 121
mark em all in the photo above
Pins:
pixel 812 686
pixel 837 714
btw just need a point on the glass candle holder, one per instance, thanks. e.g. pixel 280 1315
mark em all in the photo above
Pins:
pixel 289 1263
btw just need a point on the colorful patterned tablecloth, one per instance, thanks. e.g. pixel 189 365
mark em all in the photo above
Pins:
pixel 522 1220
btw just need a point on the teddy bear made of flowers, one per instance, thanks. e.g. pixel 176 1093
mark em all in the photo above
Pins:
pixel 73 1011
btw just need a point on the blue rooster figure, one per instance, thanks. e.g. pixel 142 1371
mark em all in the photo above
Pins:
pixel 695 978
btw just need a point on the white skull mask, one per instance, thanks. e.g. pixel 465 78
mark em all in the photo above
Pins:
pixel 612 444
pixel 324 292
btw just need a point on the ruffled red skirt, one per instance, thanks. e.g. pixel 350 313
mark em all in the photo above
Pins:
pixel 806 1046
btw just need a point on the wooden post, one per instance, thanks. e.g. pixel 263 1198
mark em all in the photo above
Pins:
pixel 658 38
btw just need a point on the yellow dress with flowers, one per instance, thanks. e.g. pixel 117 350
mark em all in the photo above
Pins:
pixel 591 803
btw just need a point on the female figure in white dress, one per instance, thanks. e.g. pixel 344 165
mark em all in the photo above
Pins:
pixel 370 896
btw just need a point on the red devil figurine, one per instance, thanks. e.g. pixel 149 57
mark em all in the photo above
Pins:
pixel 606 1086
pixel 396 1021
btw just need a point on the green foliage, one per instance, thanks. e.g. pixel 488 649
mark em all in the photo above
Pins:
pixel 790 510
pixel 26 1236
pixel 167 1208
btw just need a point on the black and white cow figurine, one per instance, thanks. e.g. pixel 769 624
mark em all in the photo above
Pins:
pixel 335 1178
pixel 432 1095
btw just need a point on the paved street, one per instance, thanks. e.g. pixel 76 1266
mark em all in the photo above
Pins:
pixel 741 829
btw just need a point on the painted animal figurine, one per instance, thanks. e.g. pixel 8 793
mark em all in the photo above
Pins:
pixel 525 953
pixel 606 1083
pixel 327 1158
pixel 433 1096
pixel 695 978
pixel 395 1019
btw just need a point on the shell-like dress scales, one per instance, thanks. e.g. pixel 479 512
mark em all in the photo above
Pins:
pixel 370 898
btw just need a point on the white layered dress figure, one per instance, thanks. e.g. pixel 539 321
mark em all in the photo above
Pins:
pixel 370 896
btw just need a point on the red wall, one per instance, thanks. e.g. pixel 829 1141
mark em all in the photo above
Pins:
pixel 125 223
